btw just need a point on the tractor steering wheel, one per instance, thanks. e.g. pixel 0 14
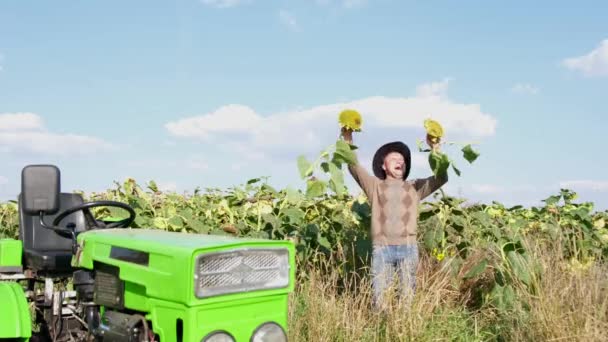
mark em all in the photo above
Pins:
pixel 91 221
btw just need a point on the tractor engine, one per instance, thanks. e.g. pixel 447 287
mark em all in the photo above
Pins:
pixel 104 288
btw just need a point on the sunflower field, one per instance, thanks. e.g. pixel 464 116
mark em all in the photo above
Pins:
pixel 488 272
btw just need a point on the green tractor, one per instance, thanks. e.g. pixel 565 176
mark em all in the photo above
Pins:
pixel 73 277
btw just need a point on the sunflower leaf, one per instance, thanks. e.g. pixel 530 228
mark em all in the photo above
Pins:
pixel 304 166
pixel 469 154
pixel 344 153
pixel 439 163
pixel 315 188
pixel 337 178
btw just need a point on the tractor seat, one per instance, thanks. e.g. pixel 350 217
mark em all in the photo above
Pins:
pixel 47 250
pixel 58 261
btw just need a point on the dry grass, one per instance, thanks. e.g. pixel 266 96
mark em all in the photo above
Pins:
pixel 568 306
pixel 571 305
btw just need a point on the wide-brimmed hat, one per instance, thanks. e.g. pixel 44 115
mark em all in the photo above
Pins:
pixel 396 146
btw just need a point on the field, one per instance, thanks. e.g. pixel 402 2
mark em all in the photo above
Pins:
pixel 487 272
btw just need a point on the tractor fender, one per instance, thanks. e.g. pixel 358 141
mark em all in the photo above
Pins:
pixel 15 321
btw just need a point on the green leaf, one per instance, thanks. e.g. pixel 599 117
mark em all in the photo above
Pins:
pixel 293 196
pixel 324 242
pixel 142 222
pixel 433 237
pixel 253 180
pixel 160 223
pixel 363 210
pixel 315 188
pixel 344 153
pixel 439 163
pixel 519 266
pixel 295 215
pixel 469 154
pixel 176 222
pixel 152 186
pixel 426 214
pixel 337 177
pixel 273 220
pixel 455 169
pixel 552 200
pixel 199 226
pixel 477 269
pixel 325 167
pixel 304 166
pixel 187 214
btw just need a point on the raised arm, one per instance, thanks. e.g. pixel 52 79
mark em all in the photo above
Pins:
pixel 366 181
pixel 426 186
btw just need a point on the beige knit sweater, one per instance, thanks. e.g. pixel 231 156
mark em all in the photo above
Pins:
pixel 394 205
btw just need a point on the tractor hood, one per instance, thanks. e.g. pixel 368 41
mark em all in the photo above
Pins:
pixel 162 241
pixel 158 264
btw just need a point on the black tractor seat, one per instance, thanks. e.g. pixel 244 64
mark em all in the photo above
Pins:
pixel 48 261
pixel 46 250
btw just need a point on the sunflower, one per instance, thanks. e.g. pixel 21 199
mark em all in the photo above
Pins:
pixel 433 129
pixel 350 119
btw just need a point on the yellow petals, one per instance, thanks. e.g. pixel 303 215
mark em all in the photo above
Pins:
pixel 350 119
pixel 433 128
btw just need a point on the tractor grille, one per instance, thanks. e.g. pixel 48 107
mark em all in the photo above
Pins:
pixel 241 271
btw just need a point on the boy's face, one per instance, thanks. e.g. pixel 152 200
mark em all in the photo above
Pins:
pixel 394 165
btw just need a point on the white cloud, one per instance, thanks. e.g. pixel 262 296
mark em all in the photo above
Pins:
pixel 1 59
pixel 20 121
pixel 25 132
pixel 224 3
pixel 3 180
pixel 589 185
pixel 524 88
pixel 288 133
pixel 227 119
pixel 433 89
pixel 289 20
pixel 595 63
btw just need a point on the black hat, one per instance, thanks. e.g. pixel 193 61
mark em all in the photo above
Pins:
pixel 385 149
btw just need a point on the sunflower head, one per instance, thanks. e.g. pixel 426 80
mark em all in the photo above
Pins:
pixel 433 128
pixel 350 119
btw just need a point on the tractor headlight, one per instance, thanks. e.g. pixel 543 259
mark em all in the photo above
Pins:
pixel 241 270
pixel 269 332
pixel 218 336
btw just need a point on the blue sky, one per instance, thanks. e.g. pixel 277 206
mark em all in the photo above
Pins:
pixel 211 93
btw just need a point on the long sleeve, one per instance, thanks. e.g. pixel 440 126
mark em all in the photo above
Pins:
pixel 366 181
pixel 426 186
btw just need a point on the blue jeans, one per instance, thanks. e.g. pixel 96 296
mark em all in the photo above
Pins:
pixel 391 260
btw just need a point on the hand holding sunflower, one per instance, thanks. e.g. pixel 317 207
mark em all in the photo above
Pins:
pixel 349 120
pixel 440 162
pixel 434 133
